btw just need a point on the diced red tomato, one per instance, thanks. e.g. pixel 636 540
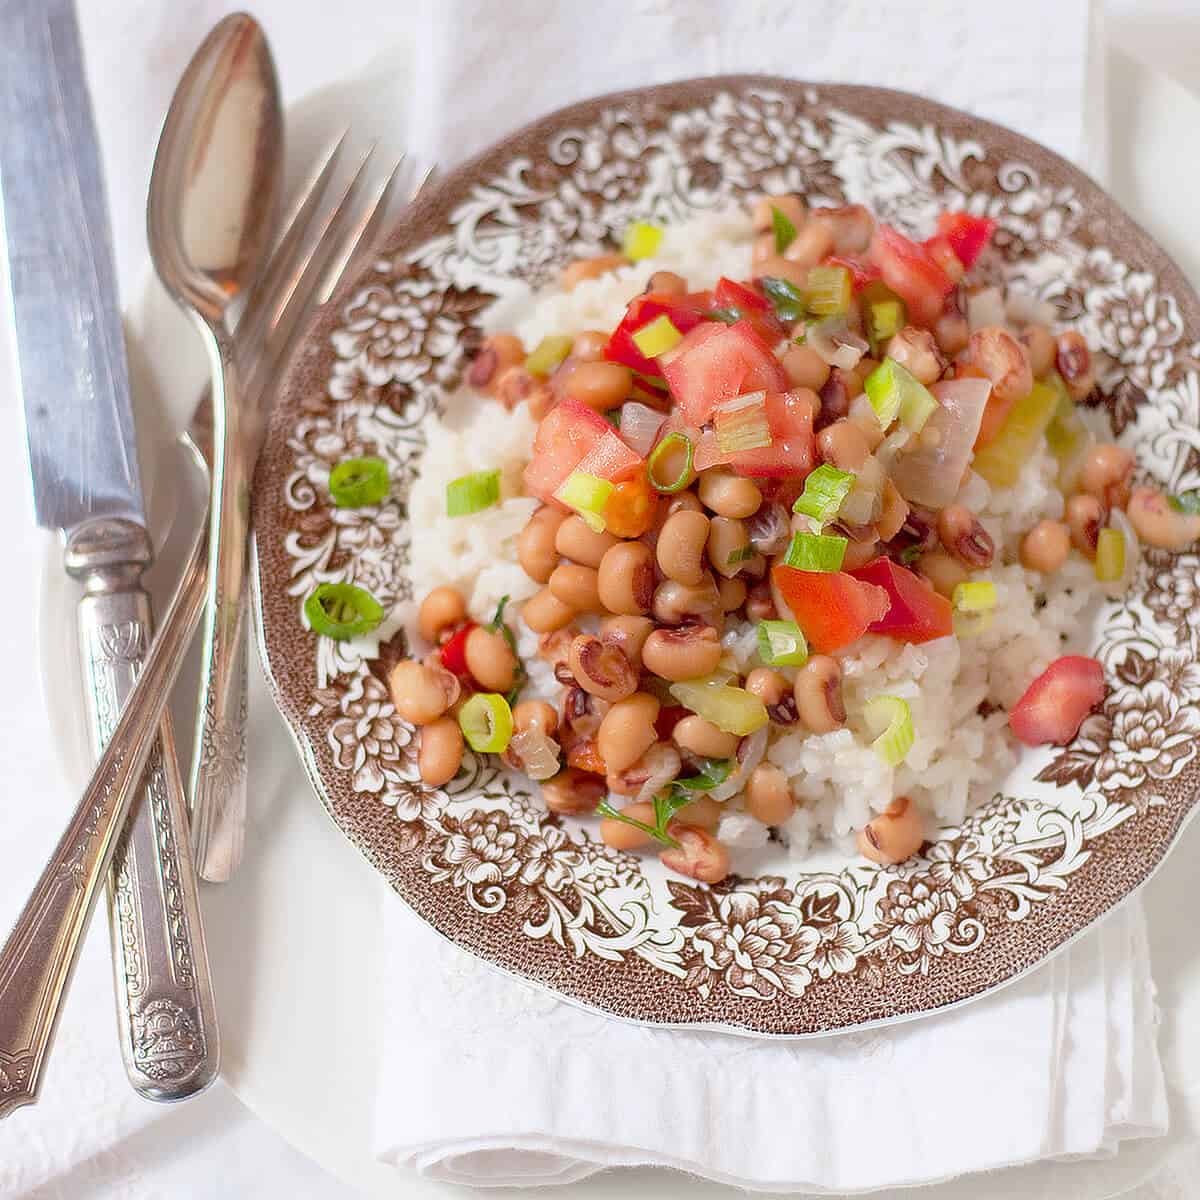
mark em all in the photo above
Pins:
pixel 910 271
pixel 968 235
pixel 715 363
pixel 916 613
pixel 861 271
pixel 752 304
pixel 831 607
pixel 942 253
pixel 1056 702
pixel 790 454
pixel 573 436
pixel 454 652
pixel 686 312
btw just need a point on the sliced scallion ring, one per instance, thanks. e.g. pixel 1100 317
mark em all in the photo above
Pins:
pixel 824 490
pixel 816 552
pixel 663 458
pixel 890 719
pixel 486 722
pixel 357 482
pixel 472 493
pixel 587 495
pixel 781 644
pixel 341 611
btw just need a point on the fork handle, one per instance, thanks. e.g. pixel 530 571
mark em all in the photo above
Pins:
pixel 166 1014
pixel 218 780
pixel 39 956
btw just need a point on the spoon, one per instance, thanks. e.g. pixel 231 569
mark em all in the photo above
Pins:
pixel 210 218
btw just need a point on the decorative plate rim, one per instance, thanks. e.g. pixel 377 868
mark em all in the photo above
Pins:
pixel 567 970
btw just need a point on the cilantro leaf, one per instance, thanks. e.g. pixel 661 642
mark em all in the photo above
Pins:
pixel 785 231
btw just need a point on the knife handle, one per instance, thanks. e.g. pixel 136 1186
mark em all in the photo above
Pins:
pixel 218 779
pixel 165 1007
pixel 39 956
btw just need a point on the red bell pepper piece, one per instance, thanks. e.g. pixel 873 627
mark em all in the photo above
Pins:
pixel 454 651
pixel 831 607
pixel 916 613
pixel 685 313
pixel 966 234
pixel 1056 702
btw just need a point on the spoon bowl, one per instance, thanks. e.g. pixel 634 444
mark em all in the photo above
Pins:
pixel 210 219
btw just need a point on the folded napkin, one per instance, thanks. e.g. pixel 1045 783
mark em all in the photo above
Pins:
pixel 504 1084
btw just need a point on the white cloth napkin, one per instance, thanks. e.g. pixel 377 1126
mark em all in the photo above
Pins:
pixel 498 1083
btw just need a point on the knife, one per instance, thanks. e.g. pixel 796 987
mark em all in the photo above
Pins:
pixel 83 460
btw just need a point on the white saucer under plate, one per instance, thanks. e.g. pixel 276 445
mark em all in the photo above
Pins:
pixel 295 937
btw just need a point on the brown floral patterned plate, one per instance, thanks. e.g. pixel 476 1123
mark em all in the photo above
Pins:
pixel 1070 834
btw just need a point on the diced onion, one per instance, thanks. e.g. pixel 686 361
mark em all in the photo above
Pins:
pixel 537 753
pixel 657 337
pixel 741 424
pixel 985 308
pixel 639 426
pixel 781 644
pixel 750 752
pixel 548 355
pixel 641 240
pixel 836 342
pixel 664 763
pixel 890 719
pixel 486 722
pixel 587 495
pixel 815 552
pixel 472 493
pixel 732 709
pixel 824 490
pixel 769 528
pixel 1026 309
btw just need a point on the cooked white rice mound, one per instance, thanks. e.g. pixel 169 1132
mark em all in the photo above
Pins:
pixel 957 689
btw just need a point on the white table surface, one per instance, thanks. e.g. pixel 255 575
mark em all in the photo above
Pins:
pixel 213 1146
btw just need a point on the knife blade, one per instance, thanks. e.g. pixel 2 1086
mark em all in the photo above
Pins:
pixel 83 463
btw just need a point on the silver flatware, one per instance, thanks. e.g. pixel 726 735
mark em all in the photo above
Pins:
pixel 83 457
pixel 323 242
pixel 211 210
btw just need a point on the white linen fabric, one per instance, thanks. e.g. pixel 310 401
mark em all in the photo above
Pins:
pixel 489 1081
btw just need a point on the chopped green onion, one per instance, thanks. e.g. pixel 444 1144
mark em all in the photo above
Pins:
pixel 824 491
pixel 341 611
pixel 781 644
pixel 587 495
pixel 815 552
pixel 662 458
pixel 885 319
pixel 785 231
pixel 974 596
pixel 910 554
pixel 894 391
pixel 732 709
pixel 641 240
pixel 890 719
pixel 548 354
pixel 1000 461
pixel 785 297
pixel 1110 555
pixel 1186 502
pixel 357 482
pixel 741 554
pixel 656 338
pixel 742 424
pixel 828 292
pixel 486 722
pixel 727 316
pixel 472 493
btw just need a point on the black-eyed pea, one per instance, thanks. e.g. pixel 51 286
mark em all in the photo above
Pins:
pixel 442 609
pixel 535 714
pixel 894 835
pixel 627 731
pixel 1045 547
pixel 767 796
pixel 917 350
pixel 601 669
pixel 573 792
pixel 963 536
pixel 490 659
pixel 628 633
pixel 1040 346
pixel 625 578
pixel 684 653
pixel 577 586
pixel 1157 523
pixel 590 268
pixel 441 751
pixel 1003 360
pixel 698 854
pixel 667 283
pixel 895 512
pixel 732 594
pixel 818 694
pixel 620 835
pixel 1074 362
pixel 703 738
pixel 728 495
pixel 681 544
pixel 544 612
pixel 576 540
pixel 1085 517
pixel 674 603
pixel 728 545
pixel 804 367
pixel 843 445
pixel 535 545
pixel 1107 473
pixel 600 385
pixel 496 355
pixel 420 693
pixel 704 813
pixel 760 603
pixel 813 242
pixel 943 572
pixel 768 685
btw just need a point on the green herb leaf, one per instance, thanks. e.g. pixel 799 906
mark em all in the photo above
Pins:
pixel 714 773
pixel 910 554
pixel 727 316
pixel 613 417
pixel 785 231
pixel 670 800
pixel 1186 502
pixel 657 831
pixel 786 298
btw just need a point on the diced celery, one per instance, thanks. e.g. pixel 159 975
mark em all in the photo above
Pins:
pixel 1110 555
pixel 742 424
pixel 732 709
pixel 1068 438
pixel 815 552
pixel 782 644
pixel 656 338
pixel 548 354
pixel 828 292
pixel 641 240
pixel 1000 461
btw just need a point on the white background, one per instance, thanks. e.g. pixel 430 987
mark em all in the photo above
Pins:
pixel 136 49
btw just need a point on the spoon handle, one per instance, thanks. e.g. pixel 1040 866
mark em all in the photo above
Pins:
pixel 218 780
pixel 39 956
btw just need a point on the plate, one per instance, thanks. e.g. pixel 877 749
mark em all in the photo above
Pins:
pixel 1070 833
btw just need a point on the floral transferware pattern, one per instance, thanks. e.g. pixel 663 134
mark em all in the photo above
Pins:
pixel 1074 829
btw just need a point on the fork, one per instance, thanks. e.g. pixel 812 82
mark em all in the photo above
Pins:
pixel 218 787
pixel 37 960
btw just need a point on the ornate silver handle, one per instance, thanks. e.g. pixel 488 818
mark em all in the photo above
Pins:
pixel 166 1014
pixel 37 959
pixel 218 781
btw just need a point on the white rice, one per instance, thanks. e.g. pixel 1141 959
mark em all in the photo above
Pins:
pixel 960 755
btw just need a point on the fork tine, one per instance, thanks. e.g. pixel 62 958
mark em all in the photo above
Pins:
pixel 299 282
pixel 252 327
